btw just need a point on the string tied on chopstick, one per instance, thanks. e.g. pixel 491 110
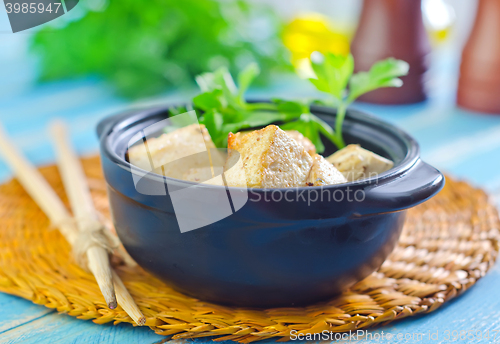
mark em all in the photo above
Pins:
pixel 100 235
pixel 94 233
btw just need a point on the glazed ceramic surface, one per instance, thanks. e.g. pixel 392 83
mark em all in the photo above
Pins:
pixel 270 250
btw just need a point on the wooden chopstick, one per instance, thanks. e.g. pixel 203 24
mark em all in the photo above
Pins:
pixel 83 209
pixel 43 194
pixel 126 301
pixel 52 206
pixel 38 188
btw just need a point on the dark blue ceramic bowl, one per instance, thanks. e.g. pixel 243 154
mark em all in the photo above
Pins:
pixel 270 252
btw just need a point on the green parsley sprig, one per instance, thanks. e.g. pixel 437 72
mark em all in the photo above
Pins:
pixel 224 108
pixel 334 73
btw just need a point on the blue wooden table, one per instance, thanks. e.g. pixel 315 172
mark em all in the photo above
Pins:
pixel 461 143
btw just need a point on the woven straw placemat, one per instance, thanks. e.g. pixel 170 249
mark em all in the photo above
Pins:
pixel 448 243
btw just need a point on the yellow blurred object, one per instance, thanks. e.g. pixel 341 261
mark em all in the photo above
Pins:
pixel 313 32
pixel 439 18
pixel 440 36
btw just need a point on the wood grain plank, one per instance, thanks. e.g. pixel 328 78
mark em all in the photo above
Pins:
pixel 61 328
pixel 15 311
pixel 477 310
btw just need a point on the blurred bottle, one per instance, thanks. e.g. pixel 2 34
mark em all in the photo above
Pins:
pixel 479 85
pixel 312 32
pixel 393 28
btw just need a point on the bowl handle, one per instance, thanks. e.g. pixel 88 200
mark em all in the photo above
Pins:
pixel 418 184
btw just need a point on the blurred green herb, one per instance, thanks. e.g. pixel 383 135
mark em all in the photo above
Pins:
pixel 143 48
pixel 335 72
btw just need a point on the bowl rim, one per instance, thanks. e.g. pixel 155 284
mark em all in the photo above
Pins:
pixel 129 118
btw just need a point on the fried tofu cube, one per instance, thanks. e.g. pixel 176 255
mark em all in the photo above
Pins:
pixel 302 140
pixel 294 134
pixel 266 158
pixel 357 163
pixel 233 140
pixel 234 170
pixel 324 173
pixel 160 154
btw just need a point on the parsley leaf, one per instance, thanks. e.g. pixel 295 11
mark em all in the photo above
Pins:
pixel 332 72
pixel 224 106
pixel 384 73
pixel 335 72
pixel 245 78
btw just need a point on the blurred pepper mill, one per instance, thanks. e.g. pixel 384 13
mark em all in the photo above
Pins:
pixel 479 85
pixel 393 28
